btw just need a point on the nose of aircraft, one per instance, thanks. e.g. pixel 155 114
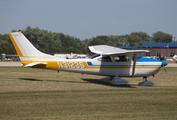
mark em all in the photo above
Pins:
pixel 164 63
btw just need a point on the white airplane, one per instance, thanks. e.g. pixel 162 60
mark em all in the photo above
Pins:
pixel 108 61
pixel 175 58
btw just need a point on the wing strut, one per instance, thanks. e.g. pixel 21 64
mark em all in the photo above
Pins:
pixel 134 64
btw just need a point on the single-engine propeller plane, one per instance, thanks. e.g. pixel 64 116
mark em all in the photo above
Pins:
pixel 108 61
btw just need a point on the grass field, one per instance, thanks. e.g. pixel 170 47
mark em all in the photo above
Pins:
pixel 27 93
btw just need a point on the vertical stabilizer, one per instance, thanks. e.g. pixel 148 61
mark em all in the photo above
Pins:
pixel 23 47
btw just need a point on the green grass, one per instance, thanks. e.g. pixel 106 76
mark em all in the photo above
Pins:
pixel 27 93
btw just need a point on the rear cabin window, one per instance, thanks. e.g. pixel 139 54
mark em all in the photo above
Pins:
pixel 121 58
pixel 105 59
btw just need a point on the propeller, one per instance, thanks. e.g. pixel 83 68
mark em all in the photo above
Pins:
pixel 163 65
pixel 164 68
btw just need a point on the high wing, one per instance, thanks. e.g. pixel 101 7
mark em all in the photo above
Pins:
pixel 109 50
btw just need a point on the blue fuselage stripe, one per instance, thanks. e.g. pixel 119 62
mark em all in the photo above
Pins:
pixel 90 64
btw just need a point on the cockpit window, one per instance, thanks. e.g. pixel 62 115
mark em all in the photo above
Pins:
pixel 94 56
pixel 121 58
pixel 105 59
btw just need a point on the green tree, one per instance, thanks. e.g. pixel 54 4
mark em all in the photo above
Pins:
pixel 160 36
pixel 7 48
pixel 117 40
pixel 138 38
pixel 86 41
pixel 96 41
pixel 144 37
pixel 49 42
pixel 104 38
pixel 134 40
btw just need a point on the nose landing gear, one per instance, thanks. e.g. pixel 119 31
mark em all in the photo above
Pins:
pixel 146 82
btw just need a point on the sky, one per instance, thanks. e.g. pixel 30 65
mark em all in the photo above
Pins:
pixel 85 19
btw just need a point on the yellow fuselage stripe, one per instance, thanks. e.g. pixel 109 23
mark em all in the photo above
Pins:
pixel 54 64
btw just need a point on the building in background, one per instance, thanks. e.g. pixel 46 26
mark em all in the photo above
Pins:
pixel 157 50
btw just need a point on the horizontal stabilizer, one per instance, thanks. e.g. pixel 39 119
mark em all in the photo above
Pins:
pixel 35 63
pixel 109 50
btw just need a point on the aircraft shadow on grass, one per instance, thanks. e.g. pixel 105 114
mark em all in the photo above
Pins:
pixel 30 79
pixel 95 81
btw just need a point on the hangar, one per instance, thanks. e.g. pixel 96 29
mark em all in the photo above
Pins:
pixel 157 50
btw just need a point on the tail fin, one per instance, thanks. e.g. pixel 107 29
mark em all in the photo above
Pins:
pixel 29 55
pixel 23 47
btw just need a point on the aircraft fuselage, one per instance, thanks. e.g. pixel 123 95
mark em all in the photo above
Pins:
pixel 115 65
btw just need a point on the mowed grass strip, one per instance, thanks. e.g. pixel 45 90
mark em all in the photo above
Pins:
pixel 27 93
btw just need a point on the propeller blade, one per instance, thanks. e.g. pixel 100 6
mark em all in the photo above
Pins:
pixel 164 69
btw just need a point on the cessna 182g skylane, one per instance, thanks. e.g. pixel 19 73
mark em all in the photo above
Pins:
pixel 108 61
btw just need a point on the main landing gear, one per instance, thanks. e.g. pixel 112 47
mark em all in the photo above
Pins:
pixel 118 81
pixel 114 80
pixel 145 82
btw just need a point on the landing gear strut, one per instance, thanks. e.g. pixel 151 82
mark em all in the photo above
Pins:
pixel 145 78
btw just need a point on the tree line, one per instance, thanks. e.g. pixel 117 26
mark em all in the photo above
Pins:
pixel 52 43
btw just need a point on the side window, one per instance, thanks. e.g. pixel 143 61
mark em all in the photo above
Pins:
pixel 105 59
pixel 172 54
pixel 148 54
pixel 158 54
pixel 121 58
